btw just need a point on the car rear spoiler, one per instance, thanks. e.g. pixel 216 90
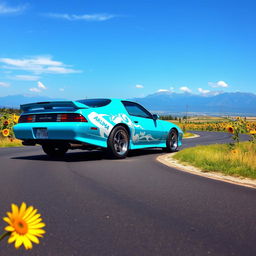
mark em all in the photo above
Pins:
pixel 51 105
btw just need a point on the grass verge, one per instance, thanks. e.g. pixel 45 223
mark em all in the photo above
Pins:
pixel 6 142
pixel 240 161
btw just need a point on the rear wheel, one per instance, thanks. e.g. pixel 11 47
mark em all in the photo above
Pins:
pixel 172 141
pixel 118 143
pixel 55 149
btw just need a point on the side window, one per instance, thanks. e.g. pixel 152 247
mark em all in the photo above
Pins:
pixel 135 109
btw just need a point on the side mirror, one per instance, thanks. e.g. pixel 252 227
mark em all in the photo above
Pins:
pixel 155 116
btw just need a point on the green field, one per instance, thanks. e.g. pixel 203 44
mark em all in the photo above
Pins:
pixel 236 161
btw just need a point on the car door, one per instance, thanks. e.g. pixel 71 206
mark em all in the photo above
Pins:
pixel 145 129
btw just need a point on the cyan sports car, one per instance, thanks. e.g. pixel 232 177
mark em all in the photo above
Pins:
pixel 111 124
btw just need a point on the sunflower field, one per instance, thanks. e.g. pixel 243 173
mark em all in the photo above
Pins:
pixel 7 121
pixel 235 158
pixel 235 126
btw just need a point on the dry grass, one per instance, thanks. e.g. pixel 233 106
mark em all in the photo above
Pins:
pixel 188 135
pixel 202 119
pixel 251 118
pixel 240 161
pixel 6 142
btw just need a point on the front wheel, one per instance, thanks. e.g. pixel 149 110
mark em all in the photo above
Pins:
pixel 55 150
pixel 118 143
pixel 172 141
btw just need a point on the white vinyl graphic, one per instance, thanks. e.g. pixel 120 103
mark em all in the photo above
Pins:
pixel 105 126
pixel 99 120
pixel 122 118
pixel 143 136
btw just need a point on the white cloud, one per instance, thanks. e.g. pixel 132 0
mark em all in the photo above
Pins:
pixel 38 65
pixel 39 88
pixel 162 90
pixel 172 89
pixel 26 77
pixel 60 70
pixel 41 85
pixel 61 89
pixel 185 89
pixel 218 84
pixel 4 84
pixel 34 89
pixel 4 9
pixel 86 17
pixel 139 86
pixel 203 91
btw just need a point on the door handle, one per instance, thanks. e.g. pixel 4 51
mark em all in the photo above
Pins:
pixel 136 122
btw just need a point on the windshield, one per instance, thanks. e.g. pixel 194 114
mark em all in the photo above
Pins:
pixel 95 103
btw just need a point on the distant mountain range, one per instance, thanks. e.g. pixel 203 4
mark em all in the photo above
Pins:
pixel 14 101
pixel 235 103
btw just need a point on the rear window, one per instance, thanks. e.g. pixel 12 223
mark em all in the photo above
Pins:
pixel 95 103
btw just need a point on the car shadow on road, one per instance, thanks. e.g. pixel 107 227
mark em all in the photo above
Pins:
pixel 95 155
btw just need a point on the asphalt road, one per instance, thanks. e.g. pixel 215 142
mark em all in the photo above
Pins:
pixel 131 207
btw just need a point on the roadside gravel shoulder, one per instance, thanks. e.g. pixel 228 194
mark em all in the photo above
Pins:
pixel 168 160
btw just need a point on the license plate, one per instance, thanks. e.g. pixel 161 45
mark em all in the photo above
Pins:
pixel 41 133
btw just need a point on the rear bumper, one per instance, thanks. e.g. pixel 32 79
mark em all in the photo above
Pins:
pixel 70 131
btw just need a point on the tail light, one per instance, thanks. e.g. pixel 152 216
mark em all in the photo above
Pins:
pixel 65 117
pixel 27 119
pixel 71 117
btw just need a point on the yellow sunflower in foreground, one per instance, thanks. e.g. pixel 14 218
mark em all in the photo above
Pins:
pixel 25 226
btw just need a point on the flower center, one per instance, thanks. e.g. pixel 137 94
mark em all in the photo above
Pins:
pixel 21 227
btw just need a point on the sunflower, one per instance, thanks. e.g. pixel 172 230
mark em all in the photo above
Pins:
pixel 230 129
pixel 15 119
pixel 234 151
pixel 5 132
pixel 24 226
pixel 6 122
pixel 253 132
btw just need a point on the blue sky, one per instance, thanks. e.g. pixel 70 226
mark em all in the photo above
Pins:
pixel 112 48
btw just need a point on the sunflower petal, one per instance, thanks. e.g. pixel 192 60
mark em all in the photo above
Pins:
pixel 9 214
pixel 27 243
pixel 28 211
pixel 9 228
pixel 22 209
pixel 27 217
pixel 35 222
pixel 38 235
pixel 15 210
pixel 12 238
pixel 33 218
pixel 18 242
pixel 6 219
pixel 36 226
pixel 37 232
pixel 33 238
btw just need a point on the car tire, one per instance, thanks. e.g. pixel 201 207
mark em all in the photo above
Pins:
pixel 118 143
pixel 55 150
pixel 172 141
